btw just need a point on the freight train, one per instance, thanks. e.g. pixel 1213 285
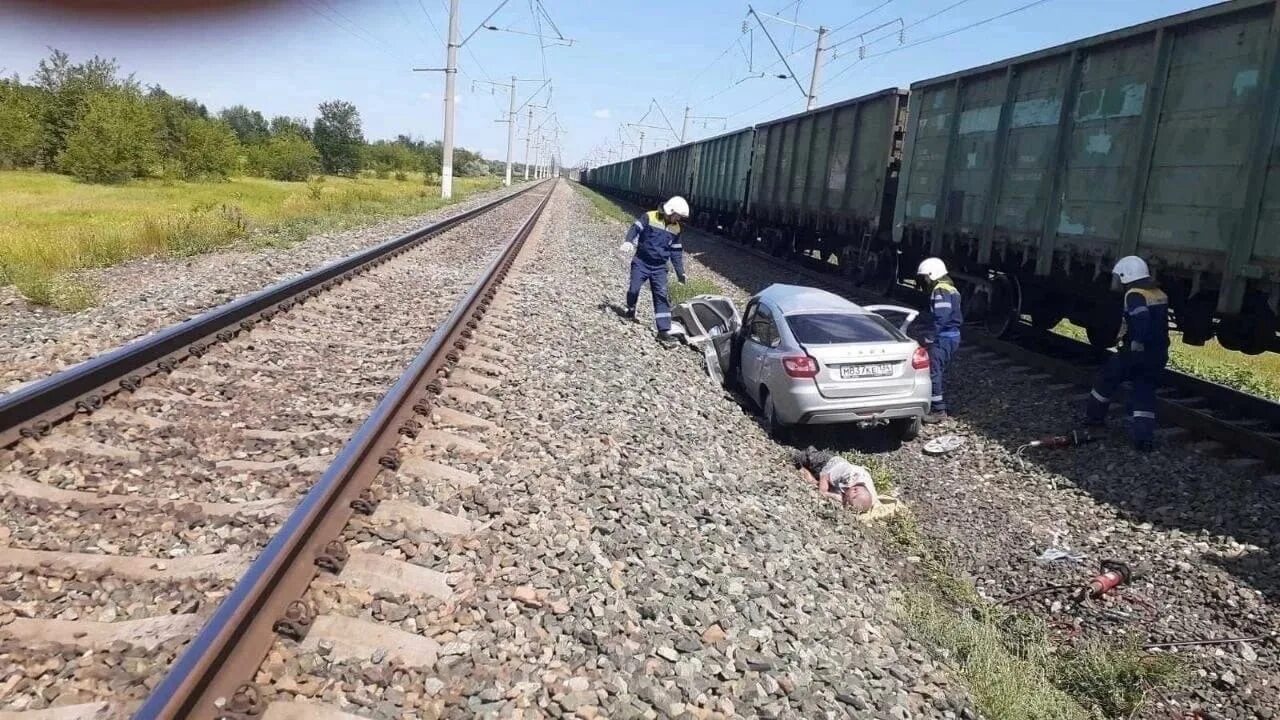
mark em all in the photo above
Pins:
pixel 1030 177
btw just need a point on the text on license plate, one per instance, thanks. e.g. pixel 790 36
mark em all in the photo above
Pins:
pixel 867 370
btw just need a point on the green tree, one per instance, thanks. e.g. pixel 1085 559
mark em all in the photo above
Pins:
pixel 283 124
pixel 431 155
pixel 249 125
pixel 286 157
pixel 68 88
pixel 209 149
pixel 19 125
pixel 338 137
pixel 172 113
pixel 114 141
pixel 385 157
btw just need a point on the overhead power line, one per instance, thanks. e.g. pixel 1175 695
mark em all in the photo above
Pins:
pixel 352 29
pixel 933 38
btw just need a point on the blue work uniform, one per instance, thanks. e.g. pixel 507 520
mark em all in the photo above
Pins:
pixel 1141 359
pixel 657 242
pixel 944 337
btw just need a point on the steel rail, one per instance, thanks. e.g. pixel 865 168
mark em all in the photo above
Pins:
pixel 31 410
pixel 220 663
pixel 1238 433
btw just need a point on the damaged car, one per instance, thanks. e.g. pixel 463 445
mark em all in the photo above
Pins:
pixel 806 356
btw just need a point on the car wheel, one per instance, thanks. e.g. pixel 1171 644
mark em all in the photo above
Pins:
pixel 907 429
pixel 777 430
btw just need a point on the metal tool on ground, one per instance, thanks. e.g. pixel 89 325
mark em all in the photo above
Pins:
pixel 1208 641
pixel 1075 438
pixel 1114 574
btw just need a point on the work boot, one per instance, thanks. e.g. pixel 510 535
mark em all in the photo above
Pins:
pixel 1144 446
pixel 630 314
pixel 666 338
pixel 936 417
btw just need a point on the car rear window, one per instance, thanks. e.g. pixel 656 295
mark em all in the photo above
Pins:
pixel 834 329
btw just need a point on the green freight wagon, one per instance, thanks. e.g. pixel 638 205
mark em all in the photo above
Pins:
pixel 1031 176
pixel 718 194
pixel 825 180
pixel 676 172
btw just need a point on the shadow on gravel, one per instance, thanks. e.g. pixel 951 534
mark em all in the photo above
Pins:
pixel 1170 491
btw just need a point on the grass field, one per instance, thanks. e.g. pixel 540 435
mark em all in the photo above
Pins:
pixel 51 225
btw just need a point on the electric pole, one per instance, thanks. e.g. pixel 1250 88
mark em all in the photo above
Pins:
pixel 511 129
pixel 819 55
pixel 528 138
pixel 450 77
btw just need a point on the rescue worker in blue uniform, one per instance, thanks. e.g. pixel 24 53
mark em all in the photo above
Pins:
pixel 1143 353
pixel 655 239
pixel 942 339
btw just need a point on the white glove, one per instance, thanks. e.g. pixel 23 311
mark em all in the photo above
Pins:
pixel 626 247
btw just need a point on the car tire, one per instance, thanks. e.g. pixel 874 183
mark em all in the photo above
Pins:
pixel 907 429
pixel 775 427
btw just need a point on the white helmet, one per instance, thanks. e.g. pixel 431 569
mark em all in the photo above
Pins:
pixel 676 206
pixel 1131 269
pixel 932 268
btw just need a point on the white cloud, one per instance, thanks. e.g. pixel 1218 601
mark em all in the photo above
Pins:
pixel 602 113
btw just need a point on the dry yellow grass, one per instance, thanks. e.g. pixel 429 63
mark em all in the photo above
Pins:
pixel 51 225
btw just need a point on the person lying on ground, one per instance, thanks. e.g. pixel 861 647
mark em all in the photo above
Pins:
pixel 832 474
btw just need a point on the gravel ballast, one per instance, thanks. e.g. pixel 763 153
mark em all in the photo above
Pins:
pixel 1201 536
pixel 645 550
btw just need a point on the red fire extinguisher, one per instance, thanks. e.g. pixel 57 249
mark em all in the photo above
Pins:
pixel 1114 574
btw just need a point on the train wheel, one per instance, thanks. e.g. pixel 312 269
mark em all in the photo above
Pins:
pixel 1004 305
pixel 1250 333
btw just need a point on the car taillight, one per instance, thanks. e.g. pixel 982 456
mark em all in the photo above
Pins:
pixel 800 366
pixel 920 359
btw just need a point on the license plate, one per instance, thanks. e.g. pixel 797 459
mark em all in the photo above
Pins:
pixel 851 372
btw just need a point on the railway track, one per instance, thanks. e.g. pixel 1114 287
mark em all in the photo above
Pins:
pixel 168 504
pixel 1213 419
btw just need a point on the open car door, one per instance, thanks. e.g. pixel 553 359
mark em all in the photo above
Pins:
pixel 710 323
pixel 898 316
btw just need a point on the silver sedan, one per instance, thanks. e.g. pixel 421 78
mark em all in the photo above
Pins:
pixel 810 357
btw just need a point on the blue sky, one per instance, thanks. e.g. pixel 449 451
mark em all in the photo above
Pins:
pixel 290 57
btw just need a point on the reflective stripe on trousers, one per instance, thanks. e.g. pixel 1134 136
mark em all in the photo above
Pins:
pixel 657 279
pixel 940 354
pixel 1143 370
